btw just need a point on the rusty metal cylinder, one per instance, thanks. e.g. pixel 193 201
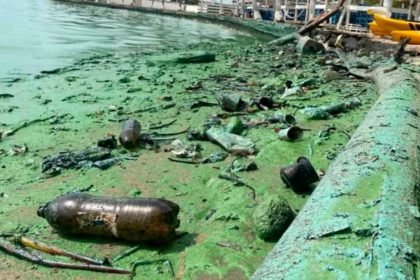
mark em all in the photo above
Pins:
pixel 291 133
pixel 265 102
pixel 148 220
pixel 299 176
pixel 279 117
pixel 130 134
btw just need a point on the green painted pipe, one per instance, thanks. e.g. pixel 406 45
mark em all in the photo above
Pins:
pixel 362 221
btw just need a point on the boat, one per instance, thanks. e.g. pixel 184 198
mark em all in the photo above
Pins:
pixel 391 24
pixel 375 29
pixel 413 35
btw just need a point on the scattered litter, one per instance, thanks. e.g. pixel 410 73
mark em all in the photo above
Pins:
pixel 109 142
pixel 237 181
pixel 231 102
pixel 18 150
pixel 235 126
pixel 242 164
pixel 36 259
pixel 215 157
pixel 130 134
pixel 307 45
pixel 147 220
pixel 299 176
pixel 291 133
pixel 27 123
pixel 52 165
pixel 292 91
pixel 233 143
pixel 182 150
pixel 126 253
pixel 324 112
pixel 279 117
pixel 30 243
pixel 230 246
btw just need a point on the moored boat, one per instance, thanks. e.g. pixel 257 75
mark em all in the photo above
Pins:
pixel 413 35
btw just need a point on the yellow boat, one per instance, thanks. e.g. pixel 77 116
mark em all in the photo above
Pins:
pixel 391 24
pixel 375 29
pixel 413 35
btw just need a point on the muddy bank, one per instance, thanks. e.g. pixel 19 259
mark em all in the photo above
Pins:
pixel 79 104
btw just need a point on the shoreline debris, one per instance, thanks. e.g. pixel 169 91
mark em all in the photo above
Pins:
pixel 30 243
pixel 52 165
pixel 22 254
pixel 299 176
pixel 232 143
pixel 292 133
pixel 130 134
pixel 148 220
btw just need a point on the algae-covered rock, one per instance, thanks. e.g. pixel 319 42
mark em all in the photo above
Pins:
pixel 272 217
pixel 235 125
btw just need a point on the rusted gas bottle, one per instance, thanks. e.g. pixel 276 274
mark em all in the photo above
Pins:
pixel 148 220
pixel 130 134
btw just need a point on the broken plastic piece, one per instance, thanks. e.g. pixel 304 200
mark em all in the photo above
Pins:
pixel 231 142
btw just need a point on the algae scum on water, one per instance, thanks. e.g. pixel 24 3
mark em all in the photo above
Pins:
pixel 71 108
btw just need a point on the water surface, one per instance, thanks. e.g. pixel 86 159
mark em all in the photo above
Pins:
pixel 44 34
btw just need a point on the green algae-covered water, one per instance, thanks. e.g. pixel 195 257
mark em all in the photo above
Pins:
pixel 43 34
pixel 108 70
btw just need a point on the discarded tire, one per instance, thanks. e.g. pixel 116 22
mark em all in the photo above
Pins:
pixel 147 220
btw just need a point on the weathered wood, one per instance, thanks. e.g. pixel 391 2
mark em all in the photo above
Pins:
pixel 308 27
